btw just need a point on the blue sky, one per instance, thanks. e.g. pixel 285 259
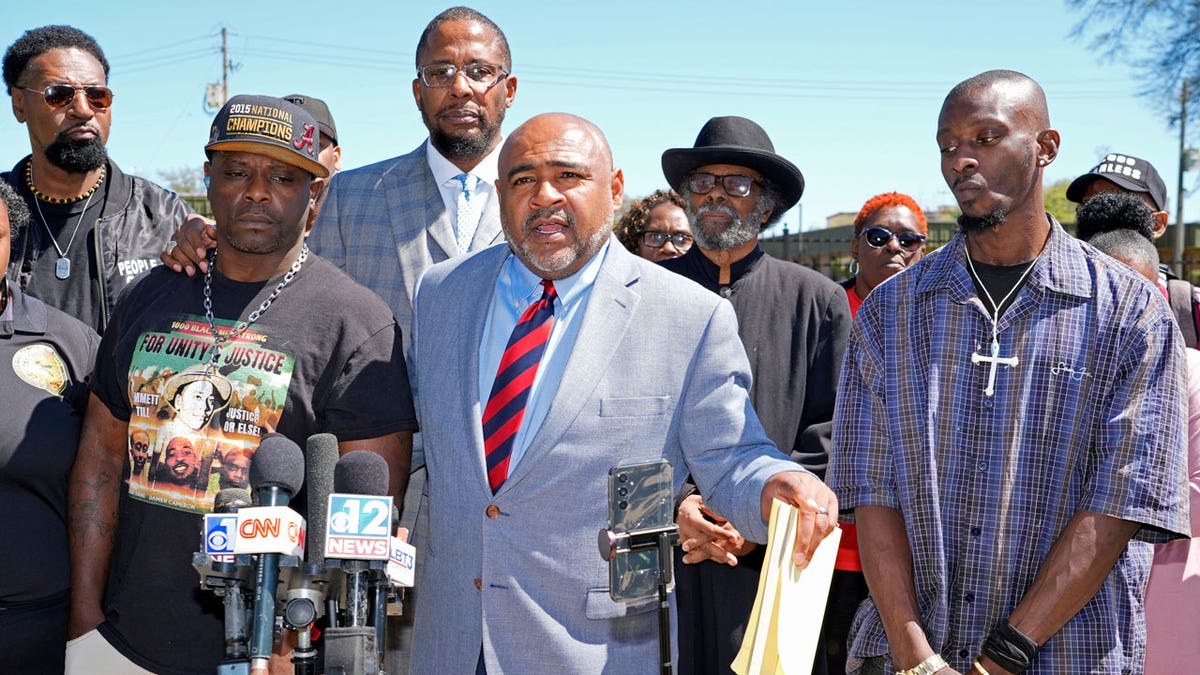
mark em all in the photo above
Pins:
pixel 849 91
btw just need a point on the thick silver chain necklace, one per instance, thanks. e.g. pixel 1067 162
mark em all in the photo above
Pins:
pixel 241 326
pixel 62 268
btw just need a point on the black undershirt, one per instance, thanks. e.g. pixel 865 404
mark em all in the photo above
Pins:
pixel 78 294
pixel 999 280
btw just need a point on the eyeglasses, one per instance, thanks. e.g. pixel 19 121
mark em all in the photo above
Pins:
pixel 878 237
pixel 735 185
pixel 657 239
pixel 479 75
pixel 59 95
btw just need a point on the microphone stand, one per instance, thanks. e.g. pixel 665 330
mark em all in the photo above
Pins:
pixel 663 539
pixel 229 580
pixel 380 585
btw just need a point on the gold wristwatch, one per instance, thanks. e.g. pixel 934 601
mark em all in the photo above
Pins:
pixel 929 666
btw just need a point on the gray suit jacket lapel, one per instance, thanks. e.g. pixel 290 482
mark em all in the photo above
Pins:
pixel 489 231
pixel 608 316
pixel 420 225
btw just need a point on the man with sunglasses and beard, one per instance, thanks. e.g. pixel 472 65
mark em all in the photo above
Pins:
pixel 793 323
pixel 94 228
pixel 1009 434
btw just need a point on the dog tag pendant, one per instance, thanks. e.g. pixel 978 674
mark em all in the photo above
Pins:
pixel 62 269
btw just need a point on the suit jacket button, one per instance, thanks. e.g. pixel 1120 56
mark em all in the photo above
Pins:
pixel 478 584
pixel 493 511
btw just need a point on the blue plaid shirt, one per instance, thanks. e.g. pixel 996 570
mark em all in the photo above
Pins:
pixel 1091 418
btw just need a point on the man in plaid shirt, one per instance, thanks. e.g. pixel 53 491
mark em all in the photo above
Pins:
pixel 1009 428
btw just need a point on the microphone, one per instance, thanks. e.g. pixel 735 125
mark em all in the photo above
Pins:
pixel 357 530
pixel 306 595
pixel 219 533
pixel 357 542
pixel 361 472
pixel 276 472
pixel 401 557
pixel 321 452
pixel 230 500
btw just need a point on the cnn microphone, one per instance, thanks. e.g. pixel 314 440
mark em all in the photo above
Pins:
pixel 276 472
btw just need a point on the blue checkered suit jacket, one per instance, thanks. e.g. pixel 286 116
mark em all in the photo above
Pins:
pixel 386 222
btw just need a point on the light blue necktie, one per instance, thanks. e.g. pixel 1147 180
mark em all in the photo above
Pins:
pixel 468 211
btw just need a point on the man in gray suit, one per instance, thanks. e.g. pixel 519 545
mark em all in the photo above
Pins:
pixel 511 577
pixel 386 222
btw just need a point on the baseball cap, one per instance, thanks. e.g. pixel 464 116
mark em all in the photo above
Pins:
pixel 265 125
pixel 1132 173
pixel 319 110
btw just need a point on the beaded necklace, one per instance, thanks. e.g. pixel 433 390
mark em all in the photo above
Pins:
pixel 55 200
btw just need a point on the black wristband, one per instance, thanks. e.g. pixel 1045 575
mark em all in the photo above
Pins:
pixel 1011 649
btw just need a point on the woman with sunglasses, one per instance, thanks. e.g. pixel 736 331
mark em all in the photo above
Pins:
pixel 889 236
pixel 656 228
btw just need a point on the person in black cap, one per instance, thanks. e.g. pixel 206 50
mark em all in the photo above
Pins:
pixel 190 243
pixel 793 323
pixel 330 153
pixel 269 321
pixel 1125 173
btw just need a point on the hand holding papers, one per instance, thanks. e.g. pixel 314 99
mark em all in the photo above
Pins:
pixel 790 601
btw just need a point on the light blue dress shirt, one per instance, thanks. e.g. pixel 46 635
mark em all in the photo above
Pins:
pixel 516 289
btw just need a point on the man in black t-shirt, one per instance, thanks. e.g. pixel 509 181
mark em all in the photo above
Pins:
pixel 300 348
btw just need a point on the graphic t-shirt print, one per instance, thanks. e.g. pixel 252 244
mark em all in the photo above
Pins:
pixel 194 425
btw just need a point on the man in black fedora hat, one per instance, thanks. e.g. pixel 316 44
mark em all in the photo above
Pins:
pixel 793 323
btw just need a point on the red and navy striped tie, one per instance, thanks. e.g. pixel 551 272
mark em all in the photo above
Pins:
pixel 506 404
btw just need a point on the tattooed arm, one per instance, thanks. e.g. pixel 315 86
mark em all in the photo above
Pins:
pixel 92 496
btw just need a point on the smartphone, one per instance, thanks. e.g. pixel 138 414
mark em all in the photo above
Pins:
pixel 640 497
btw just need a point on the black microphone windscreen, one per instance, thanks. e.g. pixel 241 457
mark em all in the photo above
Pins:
pixel 322 455
pixel 230 500
pixel 278 461
pixel 361 472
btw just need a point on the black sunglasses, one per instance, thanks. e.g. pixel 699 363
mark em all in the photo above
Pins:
pixel 656 239
pixel 878 237
pixel 59 95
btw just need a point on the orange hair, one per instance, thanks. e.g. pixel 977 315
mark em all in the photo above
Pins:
pixel 886 200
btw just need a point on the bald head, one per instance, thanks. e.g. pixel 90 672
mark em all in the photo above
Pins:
pixel 567 128
pixel 1130 248
pixel 995 139
pixel 558 192
pixel 1017 89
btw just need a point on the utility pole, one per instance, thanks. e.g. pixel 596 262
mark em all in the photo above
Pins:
pixel 225 66
pixel 216 93
pixel 1180 237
